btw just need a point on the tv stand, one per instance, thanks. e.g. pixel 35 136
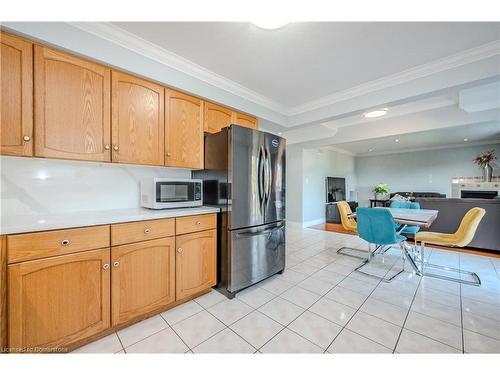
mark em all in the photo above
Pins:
pixel 332 212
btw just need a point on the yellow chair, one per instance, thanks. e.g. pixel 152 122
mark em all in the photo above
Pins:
pixel 462 237
pixel 348 223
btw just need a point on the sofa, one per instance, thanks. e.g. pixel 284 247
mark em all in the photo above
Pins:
pixel 419 194
pixel 452 210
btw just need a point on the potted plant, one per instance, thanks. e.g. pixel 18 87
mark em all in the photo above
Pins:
pixel 381 190
pixel 483 160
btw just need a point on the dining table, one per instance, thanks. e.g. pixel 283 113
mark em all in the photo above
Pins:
pixel 424 219
pixel 408 216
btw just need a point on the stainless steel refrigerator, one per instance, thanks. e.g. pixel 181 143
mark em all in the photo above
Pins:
pixel 244 176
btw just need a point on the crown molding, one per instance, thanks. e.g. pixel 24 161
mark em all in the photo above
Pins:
pixel 154 52
pixel 417 149
pixel 449 62
pixel 132 42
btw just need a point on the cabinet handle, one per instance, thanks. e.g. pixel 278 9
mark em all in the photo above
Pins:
pixel 106 147
pixel 105 266
pixel 115 148
pixel 147 231
pixel 116 264
pixel 26 138
pixel 65 242
pixel 168 154
pixel 179 250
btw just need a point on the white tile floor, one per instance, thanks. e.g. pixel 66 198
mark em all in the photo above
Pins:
pixel 319 305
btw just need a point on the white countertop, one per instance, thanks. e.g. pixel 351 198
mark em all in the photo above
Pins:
pixel 41 222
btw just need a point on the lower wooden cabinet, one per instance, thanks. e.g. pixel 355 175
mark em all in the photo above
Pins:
pixel 62 299
pixel 143 278
pixel 56 301
pixel 195 263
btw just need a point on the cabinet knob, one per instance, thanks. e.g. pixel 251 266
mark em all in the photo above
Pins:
pixel 106 147
pixel 105 266
pixel 116 264
pixel 179 250
pixel 198 223
pixel 168 154
pixel 147 231
pixel 65 242
pixel 26 138
pixel 115 148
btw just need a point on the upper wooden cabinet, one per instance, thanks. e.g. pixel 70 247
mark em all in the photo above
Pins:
pixel 183 130
pixel 138 120
pixel 196 263
pixel 245 120
pixel 72 107
pixel 143 278
pixel 216 117
pixel 16 96
pixel 57 301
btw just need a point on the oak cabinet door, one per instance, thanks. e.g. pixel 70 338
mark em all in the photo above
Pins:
pixel 216 117
pixel 57 301
pixel 245 120
pixel 16 97
pixel 195 263
pixel 72 107
pixel 138 120
pixel 183 130
pixel 143 278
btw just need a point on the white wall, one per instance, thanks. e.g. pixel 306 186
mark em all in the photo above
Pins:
pixel 306 172
pixel 429 170
pixel 41 186
pixel 294 185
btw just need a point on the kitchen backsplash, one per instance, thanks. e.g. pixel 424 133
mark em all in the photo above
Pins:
pixel 42 186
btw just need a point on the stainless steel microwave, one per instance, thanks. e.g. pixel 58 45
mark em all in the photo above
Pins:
pixel 159 193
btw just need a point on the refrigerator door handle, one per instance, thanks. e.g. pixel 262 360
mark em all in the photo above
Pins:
pixel 251 233
pixel 260 176
pixel 268 175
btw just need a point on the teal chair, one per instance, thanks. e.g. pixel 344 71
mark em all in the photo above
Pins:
pixel 407 229
pixel 377 226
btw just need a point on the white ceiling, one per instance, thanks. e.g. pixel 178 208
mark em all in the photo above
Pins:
pixel 480 133
pixel 302 62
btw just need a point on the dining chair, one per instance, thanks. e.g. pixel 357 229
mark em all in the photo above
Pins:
pixel 461 238
pixel 349 224
pixel 407 229
pixel 377 226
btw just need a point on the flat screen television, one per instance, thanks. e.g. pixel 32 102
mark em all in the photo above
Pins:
pixel 335 189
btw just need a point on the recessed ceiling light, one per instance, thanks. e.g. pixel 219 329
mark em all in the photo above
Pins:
pixel 396 140
pixel 270 24
pixel 370 150
pixel 466 139
pixel 376 113
pixel 279 133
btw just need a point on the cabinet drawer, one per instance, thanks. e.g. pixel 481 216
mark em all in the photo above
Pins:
pixel 141 231
pixel 189 224
pixel 21 247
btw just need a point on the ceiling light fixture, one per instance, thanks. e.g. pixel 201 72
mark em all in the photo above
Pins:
pixel 270 24
pixel 370 150
pixel 376 113
pixel 466 139
pixel 396 140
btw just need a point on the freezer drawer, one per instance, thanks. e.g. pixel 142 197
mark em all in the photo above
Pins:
pixel 255 254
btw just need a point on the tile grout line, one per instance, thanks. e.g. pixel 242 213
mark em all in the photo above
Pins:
pixel 175 332
pixel 358 309
pixel 408 314
pixel 461 308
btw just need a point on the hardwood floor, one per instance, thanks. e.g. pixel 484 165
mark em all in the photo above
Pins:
pixel 331 227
